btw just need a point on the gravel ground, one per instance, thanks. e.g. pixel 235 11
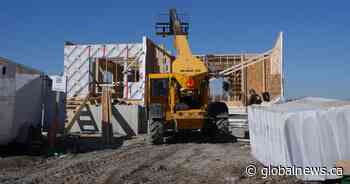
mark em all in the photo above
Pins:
pixel 134 161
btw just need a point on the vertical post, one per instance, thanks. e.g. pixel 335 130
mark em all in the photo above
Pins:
pixel 281 58
pixel 115 80
pixel 243 90
pixel 91 84
pixel 54 125
pixel 107 132
pixel 97 69
pixel 164 61
pixel 263 76
pixel 245 70
pixel 126 85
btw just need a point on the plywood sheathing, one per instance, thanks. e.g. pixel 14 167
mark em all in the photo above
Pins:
pixel 158 60
pixel 262 72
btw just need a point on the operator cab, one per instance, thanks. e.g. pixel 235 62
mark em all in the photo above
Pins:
pixel 185 98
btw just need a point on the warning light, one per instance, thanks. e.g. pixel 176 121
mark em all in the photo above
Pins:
pixel 190 83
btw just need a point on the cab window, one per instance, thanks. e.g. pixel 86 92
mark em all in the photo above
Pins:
pixel 3 70
pixel 159 87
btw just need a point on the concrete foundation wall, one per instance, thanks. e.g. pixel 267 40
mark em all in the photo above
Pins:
pixel 21 99
pixel 28 104
pixel 127 120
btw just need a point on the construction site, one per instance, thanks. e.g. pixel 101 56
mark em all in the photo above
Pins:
pixel 141 113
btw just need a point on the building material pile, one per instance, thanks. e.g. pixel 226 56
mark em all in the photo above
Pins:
pixel 310 132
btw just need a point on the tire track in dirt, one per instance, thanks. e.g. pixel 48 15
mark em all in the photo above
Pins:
pixel 86 170
pixel 138 162
pixel 141 163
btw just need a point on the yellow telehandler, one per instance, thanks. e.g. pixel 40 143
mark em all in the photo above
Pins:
pixel 179 100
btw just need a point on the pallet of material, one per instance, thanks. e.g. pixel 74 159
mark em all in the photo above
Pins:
pixel 309 132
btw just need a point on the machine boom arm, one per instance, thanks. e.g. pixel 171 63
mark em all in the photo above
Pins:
pixel 180 36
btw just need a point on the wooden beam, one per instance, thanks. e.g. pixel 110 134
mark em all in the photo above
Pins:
pixel 76 114
pixel 107 132
pixel 247 63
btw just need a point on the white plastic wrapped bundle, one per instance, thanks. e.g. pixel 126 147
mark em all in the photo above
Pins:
pixel 311 132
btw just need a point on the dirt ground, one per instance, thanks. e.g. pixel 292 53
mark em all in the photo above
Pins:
pixel 133 161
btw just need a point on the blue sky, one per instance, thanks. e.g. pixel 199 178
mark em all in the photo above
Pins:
pixel 317 33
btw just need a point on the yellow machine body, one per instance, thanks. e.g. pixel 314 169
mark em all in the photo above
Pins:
pixel 186 84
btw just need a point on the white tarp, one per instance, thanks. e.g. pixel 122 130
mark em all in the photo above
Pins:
pixel 310 132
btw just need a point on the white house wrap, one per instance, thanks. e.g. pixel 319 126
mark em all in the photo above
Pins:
pixel 311 132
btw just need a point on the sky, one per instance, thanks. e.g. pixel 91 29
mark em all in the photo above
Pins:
pixel 316 33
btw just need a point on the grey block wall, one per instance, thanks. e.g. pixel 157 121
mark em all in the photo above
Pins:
pixel 127 120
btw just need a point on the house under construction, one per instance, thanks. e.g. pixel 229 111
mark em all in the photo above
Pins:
pixel 124 67
pixel 262 72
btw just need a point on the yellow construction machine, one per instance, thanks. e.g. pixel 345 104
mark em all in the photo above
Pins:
pixel 179 100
